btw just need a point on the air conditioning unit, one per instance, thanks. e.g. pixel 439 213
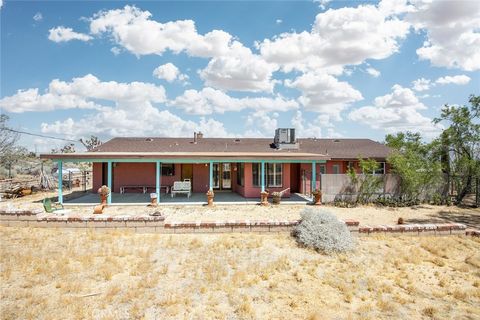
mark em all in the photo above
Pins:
pixel 285 138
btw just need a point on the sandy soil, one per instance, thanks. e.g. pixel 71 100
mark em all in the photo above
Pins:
pixel 367 215
pixel 77 274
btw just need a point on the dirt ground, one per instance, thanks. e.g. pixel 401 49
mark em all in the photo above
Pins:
pixel 367 215
pixel 78 274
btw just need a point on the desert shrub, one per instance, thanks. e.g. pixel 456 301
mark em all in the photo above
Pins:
pixel 322 231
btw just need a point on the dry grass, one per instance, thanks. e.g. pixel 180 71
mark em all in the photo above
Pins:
pixel 78 274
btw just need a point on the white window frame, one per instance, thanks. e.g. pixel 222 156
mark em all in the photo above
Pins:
pixel 276 171
pixel 258 181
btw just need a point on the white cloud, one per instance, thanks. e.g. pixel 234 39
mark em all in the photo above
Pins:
pixel 145 121
pixel 1 4
pixel 62 34
pixel 82 93
pixel 452 33
pixel 422 84
pixel 209 100
pixel 240 70
pixel 309 130
pixel 169 72
pixel 116 51
pixel 460 80
pixel 398 111
pixel 323 93
pixel 38 16
pixel 232 67
pixel 373 72
pixel 31 100
pixel 134 30
pixel 261 123
pixel 322 4
pixel 345 36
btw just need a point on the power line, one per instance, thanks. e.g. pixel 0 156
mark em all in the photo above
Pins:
pixel 39 135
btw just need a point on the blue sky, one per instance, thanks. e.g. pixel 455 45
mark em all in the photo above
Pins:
pixel 330 69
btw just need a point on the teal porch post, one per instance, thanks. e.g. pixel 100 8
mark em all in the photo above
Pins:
pixel 158 181
pixel 60 182
pixel 314 176
pixel 262 172
pixel 109 182
pixel 211 176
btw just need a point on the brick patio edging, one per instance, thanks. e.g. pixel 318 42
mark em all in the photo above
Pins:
pixel 419 229
pixel 147 223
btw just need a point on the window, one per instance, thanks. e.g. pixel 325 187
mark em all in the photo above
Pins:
pixel 273 174
pixel 350 165
pixel 168 169
pixel 381 168
pixel 322 169
pixel 336 169
pixel 256 169
pixel 240 174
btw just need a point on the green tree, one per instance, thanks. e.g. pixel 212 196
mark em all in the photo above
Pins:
pixel 366 184
pixel 460 145
pixel 416 164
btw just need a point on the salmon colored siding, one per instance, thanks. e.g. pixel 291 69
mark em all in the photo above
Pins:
pixel 250 191
pixel 294 176
pixel 97 176
pixel 201 173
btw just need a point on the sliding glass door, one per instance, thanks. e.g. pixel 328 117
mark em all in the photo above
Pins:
pixel 222 176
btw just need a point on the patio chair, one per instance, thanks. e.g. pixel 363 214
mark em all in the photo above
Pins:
pixel 53 207
pixel 181 187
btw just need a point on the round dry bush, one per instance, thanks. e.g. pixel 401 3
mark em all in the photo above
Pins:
pixel 322 231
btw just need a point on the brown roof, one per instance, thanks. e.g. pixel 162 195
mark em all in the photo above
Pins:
pixel 229 147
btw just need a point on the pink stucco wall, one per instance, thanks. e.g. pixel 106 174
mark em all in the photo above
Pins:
pixel 97 176
pixel 144 174
pixel 133 173
pixel 200 178
pixel 250 191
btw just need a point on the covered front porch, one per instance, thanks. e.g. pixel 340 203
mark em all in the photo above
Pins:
pixel 234 179
pixel 197 198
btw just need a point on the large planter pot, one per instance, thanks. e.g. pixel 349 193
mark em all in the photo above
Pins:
pixel 104 192
pixel 264 198
pixel 210 196
pixel 153 200
pixel 317 198
pixel 103 199
pixel 276 199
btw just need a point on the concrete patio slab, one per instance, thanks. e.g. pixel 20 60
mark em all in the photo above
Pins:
pixel 221 198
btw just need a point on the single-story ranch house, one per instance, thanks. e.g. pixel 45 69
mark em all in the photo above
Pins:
pixel 245 166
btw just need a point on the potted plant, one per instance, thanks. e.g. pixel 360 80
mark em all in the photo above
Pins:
pixel 153 199
pixel 104 192
pixel 317 197
pixel 276 197
pixel 264 198
pixel 210 196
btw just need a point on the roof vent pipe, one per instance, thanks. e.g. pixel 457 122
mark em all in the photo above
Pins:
pixel 194 137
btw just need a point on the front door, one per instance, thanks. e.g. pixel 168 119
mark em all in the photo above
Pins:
pixel 222 176
pixel 187 171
